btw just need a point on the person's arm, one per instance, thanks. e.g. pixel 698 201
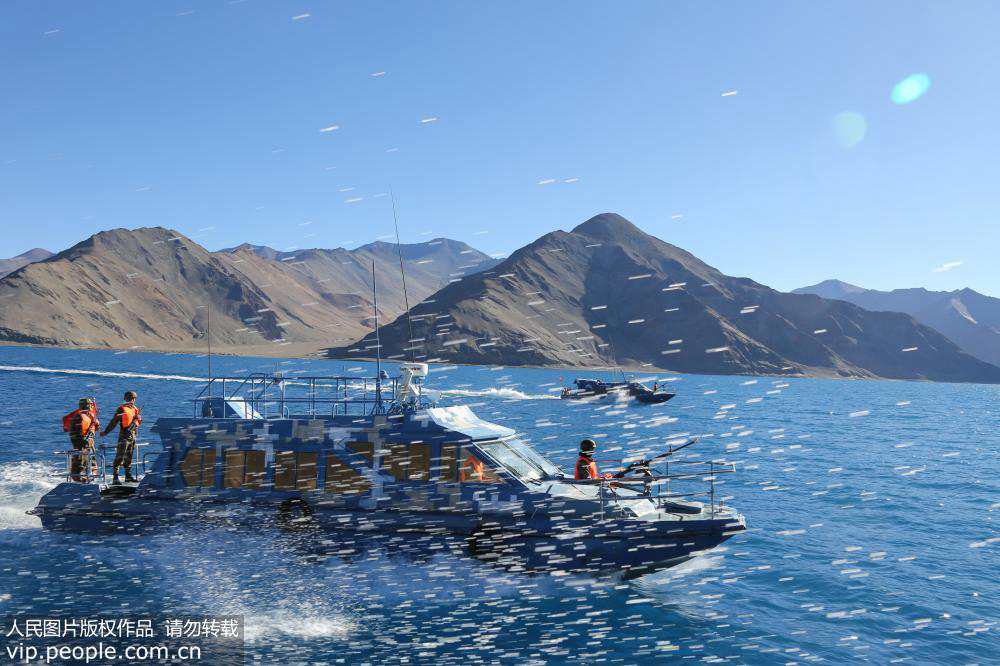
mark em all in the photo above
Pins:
pixel 114 422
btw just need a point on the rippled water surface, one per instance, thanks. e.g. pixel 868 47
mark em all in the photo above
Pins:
pixel 871 508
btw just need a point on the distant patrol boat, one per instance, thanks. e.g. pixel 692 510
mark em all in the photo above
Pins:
pixel 629 388
pixel 373 455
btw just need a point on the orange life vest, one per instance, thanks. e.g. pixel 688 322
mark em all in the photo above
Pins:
pixel 473 469
pixel 85 421
pixel 129 413
pixel 586 468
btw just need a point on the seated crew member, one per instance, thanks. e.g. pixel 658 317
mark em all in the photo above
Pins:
pixel 127 416
pixel 473 470
pixel 586 468
pixel 81 424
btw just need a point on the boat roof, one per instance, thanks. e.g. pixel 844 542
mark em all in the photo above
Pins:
pixel 463 420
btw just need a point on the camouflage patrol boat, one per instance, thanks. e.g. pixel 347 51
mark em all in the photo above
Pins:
pixel 374 456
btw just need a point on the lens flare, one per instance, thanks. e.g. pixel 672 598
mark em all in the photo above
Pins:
pixel 911 88
pixel 849 128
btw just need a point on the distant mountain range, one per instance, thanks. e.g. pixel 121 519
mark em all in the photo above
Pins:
pixel 968 318
pixel 149 288
pixel 607 293
pixel 603 294
pixel 8 266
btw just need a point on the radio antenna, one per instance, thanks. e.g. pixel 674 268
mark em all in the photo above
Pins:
pixel 378 348
pixel 209 308
pixel 402 273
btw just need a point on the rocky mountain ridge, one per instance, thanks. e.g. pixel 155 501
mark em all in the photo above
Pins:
pixel 152 288
pixel 607 293
pixel 8 266
pixel 969 319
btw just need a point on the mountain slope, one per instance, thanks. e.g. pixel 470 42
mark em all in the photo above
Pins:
pixel 970 319
pixel 150 287
pixel 8 266
pixel 429 266
pixel 609 293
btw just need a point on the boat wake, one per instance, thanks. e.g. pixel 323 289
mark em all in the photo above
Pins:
pixel 291 588
pixel 505 393
pixel 22 483
pixel 97 373
pixel 669 588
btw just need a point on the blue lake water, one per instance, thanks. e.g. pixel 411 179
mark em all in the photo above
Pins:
pixel 872 510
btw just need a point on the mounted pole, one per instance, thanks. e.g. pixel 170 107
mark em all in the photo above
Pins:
pixel 209 307
pixel 378 348
pixel 402 273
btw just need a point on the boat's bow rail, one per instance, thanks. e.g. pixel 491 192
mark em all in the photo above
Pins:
pixel 675 490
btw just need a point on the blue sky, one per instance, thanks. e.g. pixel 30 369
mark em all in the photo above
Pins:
pixel 205 116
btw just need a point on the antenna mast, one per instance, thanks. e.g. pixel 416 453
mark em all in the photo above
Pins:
pixel 402 272
pixel 209 308
pixel 378 348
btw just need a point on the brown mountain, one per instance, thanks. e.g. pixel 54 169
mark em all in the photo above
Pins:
pixel 608 293
pixel 970 319
pixel 429 266
pixel 8 266
pixel 149 287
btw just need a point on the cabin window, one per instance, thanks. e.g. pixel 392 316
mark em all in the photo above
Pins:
pixel 232 469
pixel 518 464
pixel 295 470
pixel 446 466
pixel 305 470
pixel 408 462
pixel 254 470
pixel 243 469
pixel 284 470
pixel 198 468
pixel 420 462
pixel 476 470
pixel 364 448
pixel 341 478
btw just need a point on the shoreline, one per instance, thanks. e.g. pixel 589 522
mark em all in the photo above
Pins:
pixel 295 351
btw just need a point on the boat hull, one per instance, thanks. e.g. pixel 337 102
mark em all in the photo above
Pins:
pixel 599 547
pixel 653 398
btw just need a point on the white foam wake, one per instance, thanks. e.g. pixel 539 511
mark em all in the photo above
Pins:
pixel 507 393
pixel 96 373
pixel 22 483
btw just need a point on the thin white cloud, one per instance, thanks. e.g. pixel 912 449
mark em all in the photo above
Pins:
pixel 947 266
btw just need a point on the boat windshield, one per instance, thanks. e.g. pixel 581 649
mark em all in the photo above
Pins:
pixel 520 459
pixel 529 453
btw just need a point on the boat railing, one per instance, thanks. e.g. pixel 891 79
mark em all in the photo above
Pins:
pixel 657 485
pixel 94 463
pixel 262 395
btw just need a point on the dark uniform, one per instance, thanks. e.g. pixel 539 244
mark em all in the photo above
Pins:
pixel 128 418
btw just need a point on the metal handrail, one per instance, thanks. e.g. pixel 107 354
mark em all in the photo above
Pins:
pixel 258 391
pixel 98 455
pixel 95 455
pixel 607 496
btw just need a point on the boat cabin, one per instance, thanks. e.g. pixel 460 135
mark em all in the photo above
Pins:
pixel 345 439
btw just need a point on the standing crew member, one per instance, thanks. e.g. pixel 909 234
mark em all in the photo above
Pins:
pixel 128 418
pixel 81 424
pixel 586 468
